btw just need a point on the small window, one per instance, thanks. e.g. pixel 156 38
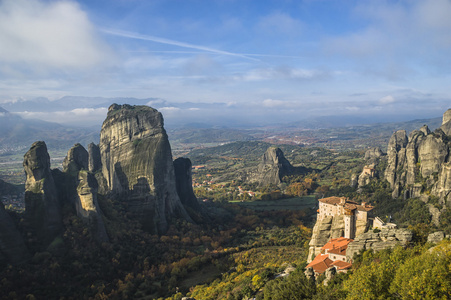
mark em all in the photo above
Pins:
pixel 343 258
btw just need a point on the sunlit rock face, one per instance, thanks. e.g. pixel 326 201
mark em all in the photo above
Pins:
pixel 420 164
pixel 272 168
pixel 137 164
pixel 42 208
pixel 81 189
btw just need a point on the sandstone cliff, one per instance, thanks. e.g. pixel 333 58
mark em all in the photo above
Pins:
pixel 81 188
pixel 184 183
pixel 137 164
pixel 420 163
pixel 42 208
pixel 329 227
pixel 386 238
pixel 272 168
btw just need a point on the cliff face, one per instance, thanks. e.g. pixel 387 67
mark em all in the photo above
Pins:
pixel 324 230
pixel 272 168
pixel 42 208
pixel 81 188
pixel 420 162
pixel 184 183
pixel 386 238
pixel 137 164
pixel 330 227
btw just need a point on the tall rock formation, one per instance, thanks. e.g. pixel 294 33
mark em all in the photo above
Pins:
pixel 137 164
pixel 81 188
pixel 95 161
pixel 446 122
pixel 184 183
pixel 42 208
pixel 272 168
pixel 420 162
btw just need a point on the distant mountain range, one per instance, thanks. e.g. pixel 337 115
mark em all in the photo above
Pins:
pixel 17 133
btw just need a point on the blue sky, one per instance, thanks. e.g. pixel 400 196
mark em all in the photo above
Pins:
pixel 263 60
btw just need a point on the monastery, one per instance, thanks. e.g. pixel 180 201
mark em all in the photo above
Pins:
pixel 333 253
pixel 351 211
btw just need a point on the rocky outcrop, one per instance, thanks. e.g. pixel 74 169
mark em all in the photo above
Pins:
pixel 76 160
pixel 324 230
pixel 386 238
pixel 436 237
pixel 420 162
pixel 446 122
pixel 373 153
pixel 137 164
pixel 42 208
pixel 327 228
pixel 12 246
pixel 184 183
pixel 81 187
pixel 272 168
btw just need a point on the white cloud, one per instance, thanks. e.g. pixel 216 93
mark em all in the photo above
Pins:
pixel 282 72
pixel 396 40
pixel 273 103
pixel 78 116
pixel 387 99
pixel 169 109
pixel 43 36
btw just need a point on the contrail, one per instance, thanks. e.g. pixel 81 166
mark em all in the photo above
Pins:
pixel 155 39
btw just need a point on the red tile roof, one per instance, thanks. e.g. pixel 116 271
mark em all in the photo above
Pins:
pixel 337 246
pixel 341 265
pixel 321 263
pixel 348 204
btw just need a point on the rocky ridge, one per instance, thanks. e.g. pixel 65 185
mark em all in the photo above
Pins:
pixel 419 164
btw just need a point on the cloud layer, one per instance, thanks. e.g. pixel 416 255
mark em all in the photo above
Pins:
pixel 42 37
pixel 275 59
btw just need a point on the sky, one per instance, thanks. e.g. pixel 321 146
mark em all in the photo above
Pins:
pixel 257 61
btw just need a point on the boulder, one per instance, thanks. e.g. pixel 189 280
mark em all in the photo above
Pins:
pixel 436 237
